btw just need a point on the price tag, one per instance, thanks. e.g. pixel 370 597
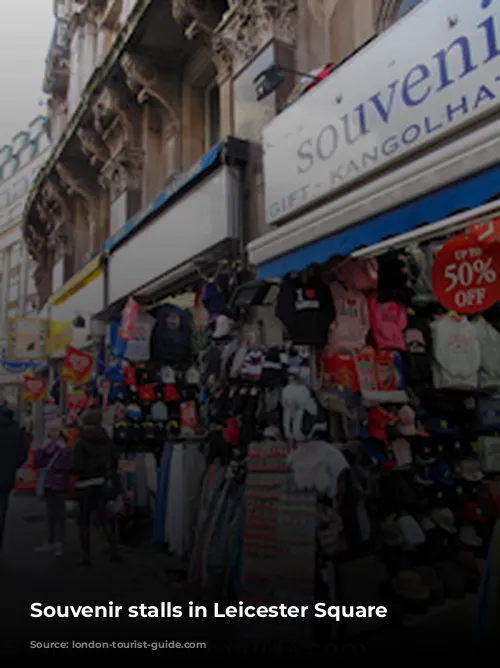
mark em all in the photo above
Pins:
pixel 465 273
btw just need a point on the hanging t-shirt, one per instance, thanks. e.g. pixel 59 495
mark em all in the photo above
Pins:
pixel 388 322
pixel 394 282
pixel 357 274
pixel 306 309
pixel 417 361
pixel 171 339
pixel 351 324
pixel 339 368
pixel 457 356
pixel 489 344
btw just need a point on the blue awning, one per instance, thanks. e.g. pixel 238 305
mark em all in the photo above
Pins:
pixel 466 194
pixel 161 200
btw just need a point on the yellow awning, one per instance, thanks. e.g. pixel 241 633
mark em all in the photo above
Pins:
pixel 88 274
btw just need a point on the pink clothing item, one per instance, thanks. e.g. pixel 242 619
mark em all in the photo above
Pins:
pixel 359 275
pixel 351 324
pixel 388 321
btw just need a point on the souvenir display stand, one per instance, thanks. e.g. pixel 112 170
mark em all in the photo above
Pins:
pixel 356 463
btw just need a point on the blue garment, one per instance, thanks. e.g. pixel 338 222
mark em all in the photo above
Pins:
pixel 162 498
pixel 171 339
pixel 117 345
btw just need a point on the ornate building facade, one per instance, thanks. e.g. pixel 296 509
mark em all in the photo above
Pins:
pixel 141 90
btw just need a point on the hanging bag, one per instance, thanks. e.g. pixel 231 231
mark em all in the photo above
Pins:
pixel 42 475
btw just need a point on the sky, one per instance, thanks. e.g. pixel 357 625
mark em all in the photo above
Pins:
pixel 25 34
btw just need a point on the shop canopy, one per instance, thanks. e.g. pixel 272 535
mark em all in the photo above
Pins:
pixel 461 196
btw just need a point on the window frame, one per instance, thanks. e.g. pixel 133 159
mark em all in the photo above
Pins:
pixel 390 13
pixel 209 142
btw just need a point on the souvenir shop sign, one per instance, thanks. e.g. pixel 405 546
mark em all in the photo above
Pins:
pixel 77 366
pixel 129 316
pixel 26 339
pixel 465 273
pixel 34 389
pixel 339 133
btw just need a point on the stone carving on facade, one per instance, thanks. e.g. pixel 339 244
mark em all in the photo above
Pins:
pixel 250 24
pixel 123 171
pixel 73 183
pixel 113 104
pixel 93 146
pixel 145 80
pixel 54 202
pixel 199 17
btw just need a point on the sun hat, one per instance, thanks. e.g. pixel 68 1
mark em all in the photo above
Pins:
pixel 406 421
pixel 411 530
pixel 444 519
pixel 469 537
pixel 391 532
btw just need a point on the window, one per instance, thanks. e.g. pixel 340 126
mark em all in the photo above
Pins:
pixel 392 10
pixel 405 6
pixel 212 116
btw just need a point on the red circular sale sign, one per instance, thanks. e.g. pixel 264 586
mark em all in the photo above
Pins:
pixel 466 273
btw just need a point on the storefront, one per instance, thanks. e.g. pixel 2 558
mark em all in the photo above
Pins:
pixel 198 220
pixel 414 142
pixel 163 270
pixel 384 198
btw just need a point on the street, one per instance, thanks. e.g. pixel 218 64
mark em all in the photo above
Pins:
pixel 27 577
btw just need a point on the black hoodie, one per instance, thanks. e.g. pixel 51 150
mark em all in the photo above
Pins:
pixel 94 454
pixel 14 448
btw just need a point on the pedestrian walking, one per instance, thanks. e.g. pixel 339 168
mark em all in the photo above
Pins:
pixel 54 461
pixel 95 464
pixel 14 447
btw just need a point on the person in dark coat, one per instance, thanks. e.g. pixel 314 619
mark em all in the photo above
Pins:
pixel 14 446
pixel 95 464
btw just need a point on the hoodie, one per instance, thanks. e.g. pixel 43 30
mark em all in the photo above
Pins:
pixel 94 457
pixel 14 448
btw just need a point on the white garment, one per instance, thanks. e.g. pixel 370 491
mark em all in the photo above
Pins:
pixel 174 525
pixel 489 344
pixel 457 356
pixel 295 399
pixel 318 465
pixel 138 348
pixel 194 468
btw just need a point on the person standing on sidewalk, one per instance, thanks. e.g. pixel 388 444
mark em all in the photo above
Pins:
pixel 14 448
pixel 95 464
pixel 56 459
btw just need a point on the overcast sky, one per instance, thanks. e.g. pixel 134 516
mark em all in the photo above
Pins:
pixel 25 33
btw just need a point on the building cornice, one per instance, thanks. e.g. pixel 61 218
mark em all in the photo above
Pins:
pixel 97 80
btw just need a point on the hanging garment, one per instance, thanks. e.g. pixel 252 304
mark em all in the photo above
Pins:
pixel 214 480
pixel 388 321
pixel 489 344
pixel 151 473
pixel 217 507
pixel 141 487
pixel 417 359
pixel 358 274
pixel 194 467
pixel 317 465
pixel 351 324
pixel 174 524
pixel 306 309
pixel 457 356
pixel 162 498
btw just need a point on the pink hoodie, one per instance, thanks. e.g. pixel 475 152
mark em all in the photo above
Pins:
pixel 351 324
pixel 388 321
